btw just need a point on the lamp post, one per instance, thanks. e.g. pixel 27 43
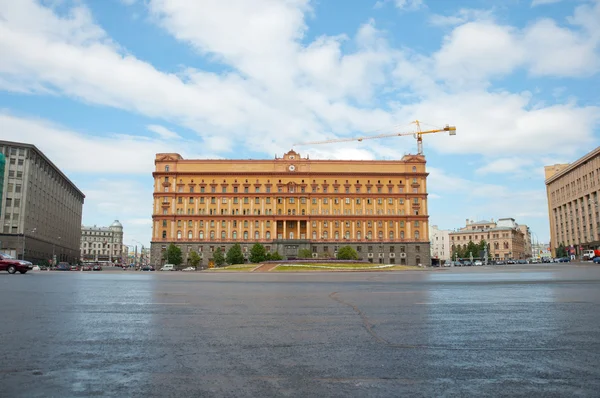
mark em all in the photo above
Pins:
pixel 53 252
pixel 23 247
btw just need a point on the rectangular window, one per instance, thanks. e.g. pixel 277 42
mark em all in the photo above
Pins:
pixel 291 200
pixel 245 189
pixel 224 190
pixel 268 201
pixel 201 189
pixel 257 189
pixel 224 201
pixel 246 200
pixel 325 201
pixel 257 201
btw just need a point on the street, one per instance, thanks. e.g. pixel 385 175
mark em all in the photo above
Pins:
pixel 513 331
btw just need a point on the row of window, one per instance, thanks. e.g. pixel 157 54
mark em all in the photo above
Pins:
pixel 257 235
pixel 325 224
pixel 290 188
pixel 279 201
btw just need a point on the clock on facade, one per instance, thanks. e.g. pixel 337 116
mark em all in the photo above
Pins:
pixel 291 167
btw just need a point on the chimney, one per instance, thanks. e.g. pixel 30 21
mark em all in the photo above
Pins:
pixel 467 222
pixel 492 220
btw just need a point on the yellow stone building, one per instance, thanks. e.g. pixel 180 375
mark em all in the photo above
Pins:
pixel 573 192
pixel 292 203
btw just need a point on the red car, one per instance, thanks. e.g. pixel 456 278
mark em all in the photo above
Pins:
pixel 12 265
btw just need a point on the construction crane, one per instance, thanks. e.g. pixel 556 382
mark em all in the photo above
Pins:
pixel 418 135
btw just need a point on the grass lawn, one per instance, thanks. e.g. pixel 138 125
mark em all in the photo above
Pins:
pixel 236 267
pixel 338 266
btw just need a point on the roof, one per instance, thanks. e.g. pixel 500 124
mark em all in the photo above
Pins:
pixel 41 154
pixel 482 222
pixel 582 160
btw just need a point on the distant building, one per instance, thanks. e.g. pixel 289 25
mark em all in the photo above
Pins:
pixel 40 207
pixel 505 238
pixel 102 244
pixel 439 243
pixel 573 192
pixel 527 247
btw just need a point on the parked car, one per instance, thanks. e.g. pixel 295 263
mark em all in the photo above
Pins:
pixel 596 260
pixel 63 267
pixel 147 268
pixel 478 263
pixel 189 269
pixel 97 268
pixel 12 265
pixel 86 268
pixel 168 267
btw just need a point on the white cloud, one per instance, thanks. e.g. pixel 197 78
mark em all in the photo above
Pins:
pixel 407 5
pixel 535 3
pixel 460 17
pixel 506 165
pixel 163 132
pixel 106 154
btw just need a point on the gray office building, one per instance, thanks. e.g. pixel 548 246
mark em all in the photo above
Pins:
pixel 40 209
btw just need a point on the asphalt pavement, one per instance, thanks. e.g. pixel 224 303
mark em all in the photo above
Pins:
pixel 512 331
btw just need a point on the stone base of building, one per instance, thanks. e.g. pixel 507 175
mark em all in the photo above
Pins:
pixel 401 253
pixel 36 250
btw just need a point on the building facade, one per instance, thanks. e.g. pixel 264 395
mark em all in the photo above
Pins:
pixel 41 208
pixel 102 244
pixel 505 238
pixel 573 192
pixel 440 243
pixel 292 203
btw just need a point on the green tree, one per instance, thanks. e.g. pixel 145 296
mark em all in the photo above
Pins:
pixel 561 251
pixel 347 253
pixel 218 257
pixel 173 255
pixel 457 252
pixel 276 256
pixel 234 255
pixel 304 253
pixel 268 257
pixel 472 250
pixel 258 253
pixel 194 259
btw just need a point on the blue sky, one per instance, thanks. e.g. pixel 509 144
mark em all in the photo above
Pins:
pixel 102 85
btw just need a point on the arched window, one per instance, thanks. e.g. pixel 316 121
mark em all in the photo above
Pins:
pixel 234 235
pixel 166 168
pixel 164 235
pixel 416 234
pixel 325 235
pixel 256 235
pixel 380 234
pixel 212 234
pixel 391 235
pixel 414 168
pixel 291 235
pixel 369 234
pixel 268 235
pixel 201 235
pixel 358 235
pixel 178 234
pixel 190 234
pixel 496 245
pixel 347 235
pixel 337 235
pixel 401 234
pixel 245 235
pixel 223 235
pixel 418 260
pixel 314 234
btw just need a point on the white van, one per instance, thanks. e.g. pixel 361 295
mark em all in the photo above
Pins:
pixel 168 267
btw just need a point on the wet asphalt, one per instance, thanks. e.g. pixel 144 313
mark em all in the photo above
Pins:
pixel 511 331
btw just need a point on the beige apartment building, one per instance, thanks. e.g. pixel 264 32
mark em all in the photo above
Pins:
pixel 573 191
pixel 291 203
pixel 505 238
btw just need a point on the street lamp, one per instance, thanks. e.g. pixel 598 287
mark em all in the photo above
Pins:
pixel 53 252
pixel 23 247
